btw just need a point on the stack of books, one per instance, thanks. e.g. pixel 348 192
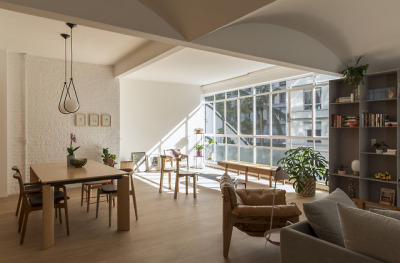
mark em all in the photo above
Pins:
pixel 391 152
pixel 351 121
pixel 390 123
pixel 344 99
pixel 375 120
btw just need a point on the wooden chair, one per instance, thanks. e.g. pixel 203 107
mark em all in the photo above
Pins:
pixel 32 189
pixel 167 170
pixel 34 203
pixel 87 190
pixel 174 153
pixel 187 175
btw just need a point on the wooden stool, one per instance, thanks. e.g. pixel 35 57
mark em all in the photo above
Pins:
pixel 110 190
pixel 186 174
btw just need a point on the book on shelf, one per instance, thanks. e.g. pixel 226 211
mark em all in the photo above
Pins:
pixel 382 94
pixel 376 120
pixel 338 120
pixel 391 152
pixel 391 124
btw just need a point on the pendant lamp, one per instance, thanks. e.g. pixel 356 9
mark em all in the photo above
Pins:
pixel 69 101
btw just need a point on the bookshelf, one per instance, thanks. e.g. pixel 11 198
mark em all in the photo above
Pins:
pixel 376 104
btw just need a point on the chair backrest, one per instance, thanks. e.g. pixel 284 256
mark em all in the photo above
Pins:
pixel 228 191
pixel 18 176
pixel 172 152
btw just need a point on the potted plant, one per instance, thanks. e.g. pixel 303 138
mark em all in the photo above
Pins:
pixel 221 130
pixel 341 170
pixel 355 75
pixel 305 166
pixel 198 130
pixel 380 147
pixel 108 158
pixel 210 145
pixel 199 148
pixel 71 150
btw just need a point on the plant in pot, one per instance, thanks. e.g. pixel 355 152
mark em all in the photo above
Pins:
pixel 199 148
pixel 341 170
pixel 198 130
pixel 380 147
pixel 355 75
pixel 305 166
pixel 109 158
pixel 210 146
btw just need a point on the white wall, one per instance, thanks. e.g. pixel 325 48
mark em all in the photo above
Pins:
pixel 37 131
pixel 3 123
pixel 157 116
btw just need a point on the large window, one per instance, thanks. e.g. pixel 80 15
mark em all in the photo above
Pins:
pixel 259 123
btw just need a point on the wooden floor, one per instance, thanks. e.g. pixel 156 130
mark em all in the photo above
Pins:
pixel 168 230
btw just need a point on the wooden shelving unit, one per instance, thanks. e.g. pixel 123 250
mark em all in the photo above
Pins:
pixel 354 143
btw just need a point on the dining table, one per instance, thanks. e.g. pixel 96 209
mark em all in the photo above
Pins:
pixel 58 173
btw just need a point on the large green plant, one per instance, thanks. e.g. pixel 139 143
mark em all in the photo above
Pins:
pixel 302 163
pixel 355 75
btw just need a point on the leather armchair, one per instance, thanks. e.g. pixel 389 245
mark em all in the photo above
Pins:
pixel 249 210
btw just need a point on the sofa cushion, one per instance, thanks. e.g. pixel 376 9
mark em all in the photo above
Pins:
pixel 288 210
pixel 370 234
pixel 389 213
pixel 256 197
pixel 323 216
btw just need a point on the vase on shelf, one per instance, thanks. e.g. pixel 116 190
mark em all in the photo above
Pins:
pixel 69 158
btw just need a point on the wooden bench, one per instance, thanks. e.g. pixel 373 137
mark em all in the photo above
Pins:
pixel 258 169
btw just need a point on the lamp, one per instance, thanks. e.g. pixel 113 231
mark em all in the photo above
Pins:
pixel 355 166
pixel 68 104
pixel 280 175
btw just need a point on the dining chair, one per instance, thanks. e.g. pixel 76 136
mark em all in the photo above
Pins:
pixel 87 188
pixel 35 203
pixel 176 153
pixel 33 188
pixel 187 174
pixel 164 170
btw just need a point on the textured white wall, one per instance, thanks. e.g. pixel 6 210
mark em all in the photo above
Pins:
pixel 156 116
pixel 47 130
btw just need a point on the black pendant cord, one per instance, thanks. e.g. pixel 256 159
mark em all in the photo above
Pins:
pixel 71 82
pixel 65 36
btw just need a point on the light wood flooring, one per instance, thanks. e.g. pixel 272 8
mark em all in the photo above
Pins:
pixel 168 230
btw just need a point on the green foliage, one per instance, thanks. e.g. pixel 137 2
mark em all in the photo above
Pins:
pixel 199 147
pixel 354 75
pixel 107 154
pixel 72 150
pixel 302 163
pixel 380 145
pixel 211 142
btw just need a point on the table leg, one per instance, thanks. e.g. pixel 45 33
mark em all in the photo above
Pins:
pixel 226 169
pixel 246 176
pixel 48 216
pixel 123 204
pixel 33 178
pixel 270 179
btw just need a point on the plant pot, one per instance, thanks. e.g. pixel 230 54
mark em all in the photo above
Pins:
pixel 69 158
pixel 109 161
pixel 198 154
pixel 199 132
pixel 210 156
pixel 379 151
pixel 309 188
pixel 341 172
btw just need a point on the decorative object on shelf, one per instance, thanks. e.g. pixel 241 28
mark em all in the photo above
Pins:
pixel 78 162
pixel 199 148
pixel 69 101
pixel 106 120
pixel 341 170
pixel 387 196
pixel 355 166
pixel 305 166
pixel 80 119
pixel 221 130
pixel 93 119
pixel 354 75
pixel 139 161
pixel 351 191
pixel 210 146
pixel 108 158
pixel 198 130
pixel 71 149
pixel 380 147
pixel 383 176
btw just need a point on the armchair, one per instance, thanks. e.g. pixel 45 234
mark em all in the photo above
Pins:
pixel 249 210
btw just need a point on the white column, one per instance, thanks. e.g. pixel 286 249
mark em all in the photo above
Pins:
pixel 3 123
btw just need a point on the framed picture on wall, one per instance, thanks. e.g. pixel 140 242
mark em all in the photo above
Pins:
pixel 93 119
pixel 106 120
pixel 387 196
pixel 80 119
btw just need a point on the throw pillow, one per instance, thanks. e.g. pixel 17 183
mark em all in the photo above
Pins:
pixel 389 213
pixel 323 217
pixel 175 153
pixel 370 234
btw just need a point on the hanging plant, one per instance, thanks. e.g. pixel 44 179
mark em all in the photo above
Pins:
pixel 355 75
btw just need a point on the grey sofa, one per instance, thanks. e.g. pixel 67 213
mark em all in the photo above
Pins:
pixel 300 244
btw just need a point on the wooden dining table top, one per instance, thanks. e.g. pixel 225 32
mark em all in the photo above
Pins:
pixel 58 172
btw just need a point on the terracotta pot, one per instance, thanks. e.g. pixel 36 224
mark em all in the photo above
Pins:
pixel 109 161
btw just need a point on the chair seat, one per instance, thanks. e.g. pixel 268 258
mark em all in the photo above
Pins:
pixel 109 188
pixel 37 200
pixel 33 187
pixel 172 169
pixel 183 172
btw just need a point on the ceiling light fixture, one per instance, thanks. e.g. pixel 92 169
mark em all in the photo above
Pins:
pixel 69 101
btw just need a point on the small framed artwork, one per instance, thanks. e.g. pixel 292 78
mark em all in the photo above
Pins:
pixel 93 119
pixel 80 119
pixel 106 120
pixel 387 196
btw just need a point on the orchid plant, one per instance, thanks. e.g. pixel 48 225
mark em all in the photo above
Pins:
pixel 71 150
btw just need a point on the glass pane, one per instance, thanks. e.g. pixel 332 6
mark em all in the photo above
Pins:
pixel 324 78
pixel 209 113
pixel 209 148
pixel 246 116
pixel 232 140
pixel 263 88
pixel 232 94
pixel 246 154
pixel 302 143
pixel 263 156
pixel 302 81
pixel 233 153
pixel 220 149
pixel 322 145
pixel 282 85
pixel 219 117
pixel 209 98
pixel 279 107
pixel 231 117
pixel 322 114
pixel 220 96
pixel 246 141
pixel 246 91
pixel 262 115
pixel 263 142
pixel 301 113
pixel 277 155
pixel 281 143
